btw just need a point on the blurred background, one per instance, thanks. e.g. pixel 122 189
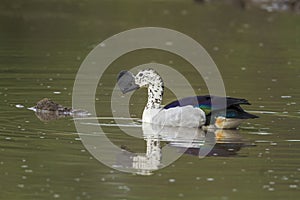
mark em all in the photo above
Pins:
pixel 255 44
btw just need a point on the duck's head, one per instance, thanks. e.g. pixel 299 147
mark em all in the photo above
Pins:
pixel 127 81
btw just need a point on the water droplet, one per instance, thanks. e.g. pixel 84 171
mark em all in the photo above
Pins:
pixel 19 106
pixel 172 180
pixel 210 179
pixel 124 187
pixel 274 80
pixel 77 179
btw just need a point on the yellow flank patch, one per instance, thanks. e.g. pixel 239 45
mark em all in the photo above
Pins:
pixel 220 122
pixel 219 135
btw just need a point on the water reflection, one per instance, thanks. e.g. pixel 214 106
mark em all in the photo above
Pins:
pixel 163 144
pixel 49 115
pixel 227 143
pixel 192 141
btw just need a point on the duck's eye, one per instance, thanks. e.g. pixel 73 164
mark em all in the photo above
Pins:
pixel 140 74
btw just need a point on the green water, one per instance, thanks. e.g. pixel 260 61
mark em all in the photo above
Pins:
pixel 42 45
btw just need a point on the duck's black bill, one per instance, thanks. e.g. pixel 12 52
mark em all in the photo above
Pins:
pixel 126 82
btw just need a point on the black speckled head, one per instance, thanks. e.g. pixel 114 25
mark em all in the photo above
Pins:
pixel 126 82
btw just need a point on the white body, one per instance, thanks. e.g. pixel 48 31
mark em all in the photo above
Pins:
pixel 186 116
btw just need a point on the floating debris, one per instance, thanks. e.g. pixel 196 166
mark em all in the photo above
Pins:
pixel 172 180
pixel 47 110
pixel 49 105
pixel 19 106
pixel 286 97
pixel 124 187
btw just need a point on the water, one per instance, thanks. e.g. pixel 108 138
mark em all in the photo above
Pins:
pixel 42 47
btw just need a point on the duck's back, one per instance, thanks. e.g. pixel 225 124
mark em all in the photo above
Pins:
pixel 232 106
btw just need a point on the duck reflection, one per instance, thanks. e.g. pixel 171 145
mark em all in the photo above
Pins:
pixel 164 144
pixel 227 143
pixel 191 141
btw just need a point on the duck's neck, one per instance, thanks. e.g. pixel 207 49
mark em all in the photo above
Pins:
pixel 155 93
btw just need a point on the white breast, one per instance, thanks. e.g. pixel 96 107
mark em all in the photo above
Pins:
pixel 148 114
pixel 186 116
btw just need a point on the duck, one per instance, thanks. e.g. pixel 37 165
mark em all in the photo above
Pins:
pixel 193 111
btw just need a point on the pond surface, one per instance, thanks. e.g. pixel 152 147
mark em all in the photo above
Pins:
pixel 42 47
